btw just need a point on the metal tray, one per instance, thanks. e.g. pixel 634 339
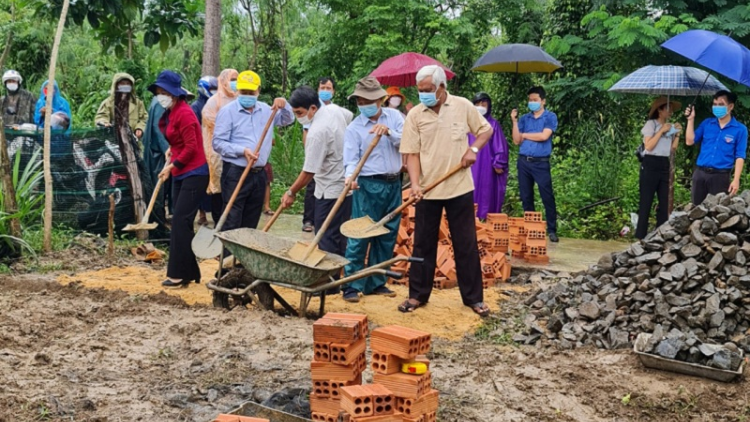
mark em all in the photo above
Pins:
pixel 657 362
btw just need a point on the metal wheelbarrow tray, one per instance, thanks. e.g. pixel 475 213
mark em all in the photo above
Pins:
pixel 657 362
pixel 264 257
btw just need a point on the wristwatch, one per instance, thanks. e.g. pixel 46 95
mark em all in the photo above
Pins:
pixel 290 193
pixel 475 150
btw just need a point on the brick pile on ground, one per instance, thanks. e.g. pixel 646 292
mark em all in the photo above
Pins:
pixel 686 347
pixel 493 238
pixel 396 394
pixel 234 418
pixel 690 274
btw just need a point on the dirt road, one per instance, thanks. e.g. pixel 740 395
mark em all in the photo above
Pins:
pixel 69 353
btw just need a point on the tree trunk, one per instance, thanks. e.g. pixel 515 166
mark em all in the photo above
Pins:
pixel 9 191
pixel 212 38
pixel 48 131
pixel 129 158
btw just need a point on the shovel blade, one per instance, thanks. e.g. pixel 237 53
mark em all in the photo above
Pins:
pixel 205 244
pixel 362 228
pixel 140 226
pixel 298 251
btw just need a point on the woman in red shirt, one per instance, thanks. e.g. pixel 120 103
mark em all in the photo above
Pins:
pixel 187 164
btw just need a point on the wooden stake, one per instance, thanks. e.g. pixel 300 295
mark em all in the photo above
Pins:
pixel 9 192
pixel 111 248
pixel 129 158
pixel 47 130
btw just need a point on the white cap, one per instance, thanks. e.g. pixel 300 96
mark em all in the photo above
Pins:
pixel 12 74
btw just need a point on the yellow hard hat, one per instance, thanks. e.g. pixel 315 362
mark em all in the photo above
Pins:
pixel 248 80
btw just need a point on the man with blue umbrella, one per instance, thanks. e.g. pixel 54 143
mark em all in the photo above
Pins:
pixel 723 143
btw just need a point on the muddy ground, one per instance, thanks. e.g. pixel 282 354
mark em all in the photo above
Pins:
pixel 72 353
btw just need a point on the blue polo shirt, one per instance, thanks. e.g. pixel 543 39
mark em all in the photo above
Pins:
pixel 721 147
pixel 530 124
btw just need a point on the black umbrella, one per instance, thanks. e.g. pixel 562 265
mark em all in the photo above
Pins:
pixel 516 58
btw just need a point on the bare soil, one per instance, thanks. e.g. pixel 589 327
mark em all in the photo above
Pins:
pixel 75 353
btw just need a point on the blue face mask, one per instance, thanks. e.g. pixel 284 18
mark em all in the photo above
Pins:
pixel 719 111
pixel 233 85
pixel 247 101
pixel 369 110
pixel 534 106
pixel 429 99
pixel 325 95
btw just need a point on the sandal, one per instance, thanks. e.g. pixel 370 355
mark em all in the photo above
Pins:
pixel 268 212
pixel 481 309
pixel 409 306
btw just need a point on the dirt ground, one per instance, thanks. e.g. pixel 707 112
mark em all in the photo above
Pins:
pixel 75 353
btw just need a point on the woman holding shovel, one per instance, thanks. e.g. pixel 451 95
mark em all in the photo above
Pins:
pixel 187 164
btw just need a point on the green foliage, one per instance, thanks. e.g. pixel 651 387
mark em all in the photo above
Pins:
pixel 26 182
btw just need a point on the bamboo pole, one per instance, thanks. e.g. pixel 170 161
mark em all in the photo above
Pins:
pixel 9 197
pixel 48 132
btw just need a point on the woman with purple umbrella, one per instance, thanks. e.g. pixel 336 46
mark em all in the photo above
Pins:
pixel 490 172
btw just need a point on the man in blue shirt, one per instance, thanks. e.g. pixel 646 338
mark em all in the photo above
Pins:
pixel 239 126
pixel 534 132
pixel 723 143
pixel 378 185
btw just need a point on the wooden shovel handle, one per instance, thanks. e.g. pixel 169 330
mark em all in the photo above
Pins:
pixel 274 218
pixel 412 200
pixel 342 198
pixel 152 201
pixel 250 164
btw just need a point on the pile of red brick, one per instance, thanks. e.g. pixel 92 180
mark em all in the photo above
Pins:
pixel 338 394
pixel 234 418
pixel 493 240
pixel 528 238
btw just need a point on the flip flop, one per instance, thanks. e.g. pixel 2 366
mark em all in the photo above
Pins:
pixel 409 306
pixel 268 212
pixel 481 309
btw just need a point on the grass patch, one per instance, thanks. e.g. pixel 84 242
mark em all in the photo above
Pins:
pixel 500 331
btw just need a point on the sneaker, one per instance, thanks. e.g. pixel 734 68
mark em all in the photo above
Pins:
pixel 553 238
pixel 307 227
pixel 351 295
pixel 384 291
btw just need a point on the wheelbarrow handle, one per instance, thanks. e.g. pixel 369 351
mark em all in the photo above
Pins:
pixel 394 274
pixel 416 260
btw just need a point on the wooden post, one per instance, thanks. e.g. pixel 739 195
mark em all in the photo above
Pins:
pixel 129 158
pixel 47 130
pixel 9 191
pixel 111 246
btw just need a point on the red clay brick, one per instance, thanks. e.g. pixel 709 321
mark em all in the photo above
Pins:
pixel 384 363
pixel 347 354
pixel 357 401
pixel 383 400
pixel 342 331
pixel 321 351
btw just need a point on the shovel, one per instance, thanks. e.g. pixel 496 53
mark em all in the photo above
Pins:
pixel 144 224
pixel 364 227
pixel 205 244
pixel 273 219
pixel 310 255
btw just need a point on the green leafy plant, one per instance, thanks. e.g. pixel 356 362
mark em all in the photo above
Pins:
pixel 28 199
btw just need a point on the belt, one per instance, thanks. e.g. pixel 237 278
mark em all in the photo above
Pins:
pixel 385 177
pixel 252 170
pixel 714 170
pixel 533 159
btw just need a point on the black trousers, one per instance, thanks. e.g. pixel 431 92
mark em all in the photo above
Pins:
pixel 460 214
pixel 309 214
pixel 187 195
pixel 332 241
pixel 217 206
pixel 530 172
pixel 705 184
pixel 249 203
pixel 654 180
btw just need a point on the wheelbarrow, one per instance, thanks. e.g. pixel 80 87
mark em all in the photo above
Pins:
pixel 265 264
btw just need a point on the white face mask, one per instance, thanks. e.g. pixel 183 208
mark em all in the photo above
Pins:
pixel 12 86
pixel 127 89
pixel 394 102
pixel 482 110
pixel 164 100
pixel 304 120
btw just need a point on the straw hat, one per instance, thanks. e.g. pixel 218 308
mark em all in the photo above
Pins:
pixel 673 105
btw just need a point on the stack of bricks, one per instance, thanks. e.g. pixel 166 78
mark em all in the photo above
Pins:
pixel 536 238
pixel 339 343
pixel 492 243
pixel 234 418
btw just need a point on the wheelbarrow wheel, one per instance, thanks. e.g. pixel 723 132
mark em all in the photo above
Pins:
pixel 236 279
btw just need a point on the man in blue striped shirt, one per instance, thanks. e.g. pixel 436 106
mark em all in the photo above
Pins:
pixel 378 185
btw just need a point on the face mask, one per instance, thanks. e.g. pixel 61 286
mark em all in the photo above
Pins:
pixel 247 101
pixel 429 99
pixel 394 102
pixel 325 95
pixel 482 110
pixel 534 106
pixel 164 100
pixel 671 132
pixel 12 86
pixel 719 111
pixel 304 120
pixel 233 85
pixel 369 110
pixel 127 89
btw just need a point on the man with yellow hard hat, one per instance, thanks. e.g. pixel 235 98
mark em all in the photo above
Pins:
pixel 239 126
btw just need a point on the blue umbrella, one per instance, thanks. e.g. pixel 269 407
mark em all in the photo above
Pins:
pixel 717 52
pixel 668 80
